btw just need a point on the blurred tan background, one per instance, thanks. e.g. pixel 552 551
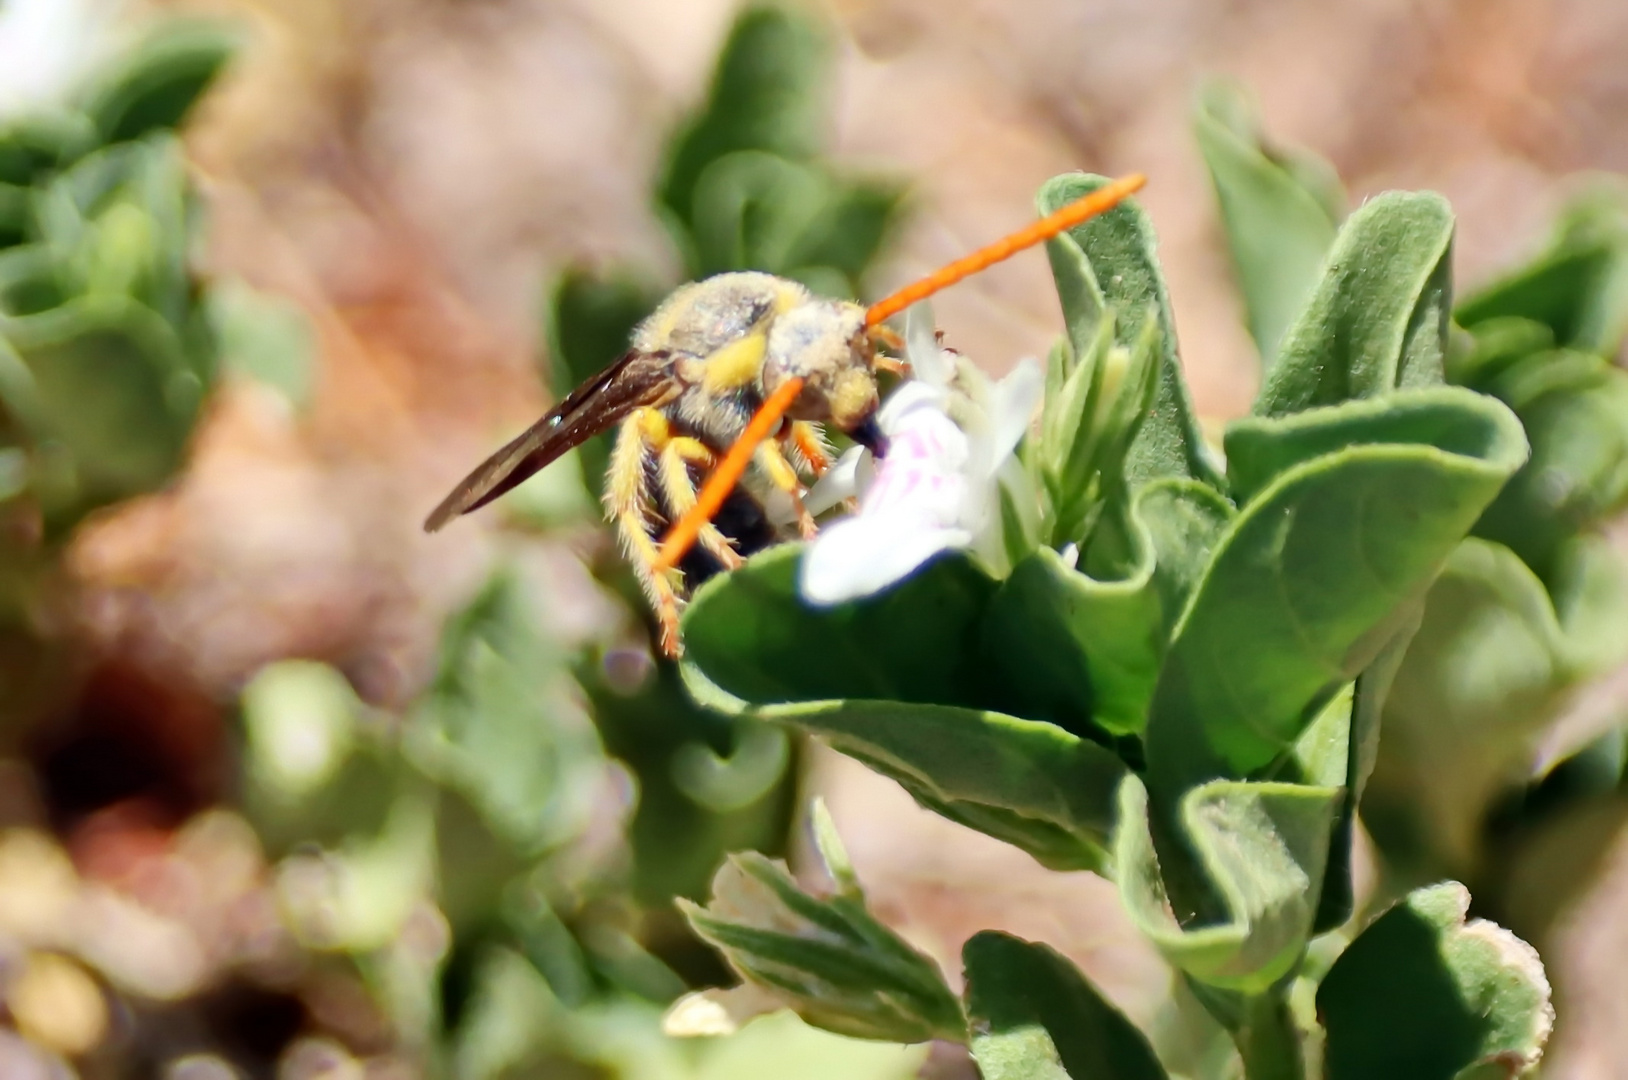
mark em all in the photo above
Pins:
pixel 412 171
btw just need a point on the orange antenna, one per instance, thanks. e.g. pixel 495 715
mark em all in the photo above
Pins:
pixel 727 474
pixel 1082 209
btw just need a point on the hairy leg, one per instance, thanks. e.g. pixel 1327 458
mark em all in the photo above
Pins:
pixel 627 501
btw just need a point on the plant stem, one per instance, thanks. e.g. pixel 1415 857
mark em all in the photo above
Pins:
pixel 1269 1039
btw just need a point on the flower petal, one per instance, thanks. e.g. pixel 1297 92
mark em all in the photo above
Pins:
pixel 910 397
pixel 928 361
pixel 924 471
pixel 862 555
pixel 1011 408
pixel 847 477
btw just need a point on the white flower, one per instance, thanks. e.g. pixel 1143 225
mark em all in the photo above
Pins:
pixel 46 46
pixel 951 433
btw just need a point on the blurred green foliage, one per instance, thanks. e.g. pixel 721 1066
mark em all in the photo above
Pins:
pixel 107 341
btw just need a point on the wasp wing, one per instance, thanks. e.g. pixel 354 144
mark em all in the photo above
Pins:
pixel 636 380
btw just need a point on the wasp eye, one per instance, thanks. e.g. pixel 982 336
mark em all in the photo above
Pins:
pixel 868 433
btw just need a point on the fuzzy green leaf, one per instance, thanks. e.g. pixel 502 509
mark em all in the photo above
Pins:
pixel 900 681
pixel 1378 318
pixel 1319 566
pixel 492 728
pixel 1119 249
pixel 825 957
pixel 1278 227
pixel 1423 993
pixel 1229 888
pixel 1032 785
pixel 750 635
pixel 847 234
pixel 266 337
pixel 1358 737
pixel 1079 649
pixel 1034 1016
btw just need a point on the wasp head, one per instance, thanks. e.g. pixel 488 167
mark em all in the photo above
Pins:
pixel 826 344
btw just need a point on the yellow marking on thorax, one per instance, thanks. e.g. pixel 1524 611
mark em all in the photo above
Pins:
pixel 736 364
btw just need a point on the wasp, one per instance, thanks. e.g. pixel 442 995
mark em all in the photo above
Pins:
pixel 720 405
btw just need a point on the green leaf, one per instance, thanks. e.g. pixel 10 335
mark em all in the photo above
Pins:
pixel 1090 426
pixel 299 722
pixel 1119 249
pixel 754 211
pixel 1574 407
pixel 1494 347
pixel 749 636
pixel 1278 227
pixel 39 143
pixel 1320 566
pixel 847 235
pixel 1081 650
pixel 111 385
pixel 1490 672
pixel 1378 318
pixel 495 727
pixel 766 95
pixel 1578 287
pixel 1228 889
pixel 159 82
pixel 657 729
pixel 1423 993
pixel 31 280
pixel 1455 421
pixel 913 710
pixel 1030 784
pixel 16 214
pixel 1358 737
pixel 1034 1016
pixel 825 957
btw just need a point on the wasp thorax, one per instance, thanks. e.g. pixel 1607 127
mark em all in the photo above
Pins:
pixel 824 343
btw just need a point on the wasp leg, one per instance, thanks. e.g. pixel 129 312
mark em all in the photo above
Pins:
pixel 627 500
pixel 808 441
pixel 783 476
pixel 888 339
pixel 678 490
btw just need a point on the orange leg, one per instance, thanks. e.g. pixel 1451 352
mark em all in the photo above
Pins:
pixel 728 473
pixel 808 441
